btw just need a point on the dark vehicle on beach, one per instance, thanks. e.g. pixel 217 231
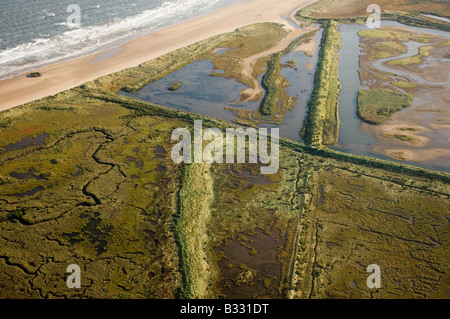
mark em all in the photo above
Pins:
pixel 33 75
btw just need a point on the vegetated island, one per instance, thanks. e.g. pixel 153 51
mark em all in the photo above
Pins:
pixel 394 80
pixel 376 106
pixel 175 86
pixel 86 177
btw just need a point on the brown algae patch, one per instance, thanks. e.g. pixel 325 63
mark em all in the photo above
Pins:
pixel 249 267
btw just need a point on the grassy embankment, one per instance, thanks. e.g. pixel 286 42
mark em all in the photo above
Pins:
pixel 377 106
pixel 191 228
pixel 108 197
pixel 322 123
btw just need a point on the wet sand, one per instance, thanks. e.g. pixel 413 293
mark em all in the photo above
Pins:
pixel 65 75
pixel 426 121
pixel 249 63
pixel 309 48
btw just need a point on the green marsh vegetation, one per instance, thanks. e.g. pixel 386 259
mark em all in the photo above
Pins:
pixel 381 50
pixel 98 188
pixel 113 201
pixel 275 85
pixel 291 64
pixel 401 137
pixel 322 123
pixel 340 236
pixel 424 51
pixel 394 37
pixel 404 84
pixel 376 106
pixel 390 43
pixel 404 11
pixel 175 86
pixel 388 93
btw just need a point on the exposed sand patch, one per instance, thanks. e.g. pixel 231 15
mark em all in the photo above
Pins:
pixel 309 48
pixel 402 155
pixel 433 156
pixel 65 75
pixel 427 118
pixel 441 124
pixel 387 134
pixel 248 64
pixel 309 65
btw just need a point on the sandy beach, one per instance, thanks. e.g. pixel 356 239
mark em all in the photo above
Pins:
pixel 68 74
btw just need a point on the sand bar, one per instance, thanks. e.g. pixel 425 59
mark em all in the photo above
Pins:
pixel 309 48
pixel 68 74
pixel 249 63
pixel 427 120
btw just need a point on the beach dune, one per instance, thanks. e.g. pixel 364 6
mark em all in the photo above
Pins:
pixel 68 74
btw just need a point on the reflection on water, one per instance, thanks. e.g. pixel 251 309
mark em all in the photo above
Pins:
pixel 209 95
pixel 200 93
pixel 351 138
pixel 349 132
pixel 302 81
pixel 436 17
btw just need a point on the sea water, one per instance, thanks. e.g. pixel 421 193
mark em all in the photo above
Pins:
pixel 39 32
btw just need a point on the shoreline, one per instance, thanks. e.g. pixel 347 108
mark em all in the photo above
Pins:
pixel 68 74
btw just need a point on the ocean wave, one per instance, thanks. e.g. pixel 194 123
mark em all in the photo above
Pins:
pixel 89 38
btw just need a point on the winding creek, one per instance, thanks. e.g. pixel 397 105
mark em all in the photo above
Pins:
pixel 351 138
pixel 208 95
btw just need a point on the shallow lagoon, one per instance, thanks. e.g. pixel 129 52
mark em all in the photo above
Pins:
pixel 200 93
pixel 209 95
pixel 351 138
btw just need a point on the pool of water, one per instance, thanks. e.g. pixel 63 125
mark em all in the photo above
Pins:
pixel 351 138
pixel 200 93
pixel 436 17
pixel 302 81
pixel 208 95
